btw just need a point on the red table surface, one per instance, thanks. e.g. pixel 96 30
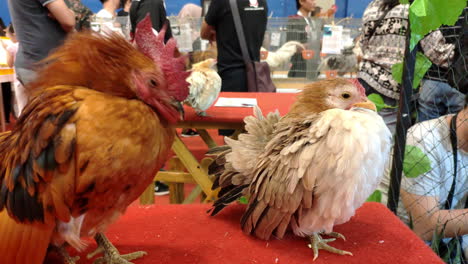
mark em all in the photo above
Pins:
pixel 268 102
pixel 183 234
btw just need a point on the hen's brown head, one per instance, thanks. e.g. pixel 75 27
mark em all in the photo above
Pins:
pixel 327 94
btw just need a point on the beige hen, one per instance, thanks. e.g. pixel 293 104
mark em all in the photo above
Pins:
pixel 309 170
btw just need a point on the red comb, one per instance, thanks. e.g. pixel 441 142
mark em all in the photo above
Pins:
pixel 163 54
pixel 359 86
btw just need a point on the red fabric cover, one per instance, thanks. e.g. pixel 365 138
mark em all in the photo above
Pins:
pixel 183 234
pixel 268 102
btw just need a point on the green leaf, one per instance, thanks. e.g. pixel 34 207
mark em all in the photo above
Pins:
pixel 243 200
pixel 415 162
pixel 404 2
pixel 375 197
pixel 377 100
pixel 422 65
pixel 428 15
pixel 397 72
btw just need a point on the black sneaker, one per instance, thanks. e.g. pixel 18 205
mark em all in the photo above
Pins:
pixel 160 188
pixel 189 133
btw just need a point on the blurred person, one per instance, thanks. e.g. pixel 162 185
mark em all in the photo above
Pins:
pixel 437 97
pixel 123 17
pixel 125 5
pixel 190 10
pixel 106 17
pixel 218 26
pixel 157 11
pixel 303 27
pixel 436 199
pixel 40 26
pixel 11 50
pixel 2 28
pixel 82 14
pixel 383 43
pixel 190 14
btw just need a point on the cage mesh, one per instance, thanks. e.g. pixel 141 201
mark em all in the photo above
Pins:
pixel 428 164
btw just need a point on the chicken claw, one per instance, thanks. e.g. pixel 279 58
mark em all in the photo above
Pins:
pixel 64 254
pixel 111 254
pixel 317 242
pixel 201 113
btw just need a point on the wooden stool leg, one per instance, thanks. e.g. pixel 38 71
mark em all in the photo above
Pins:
pixel 176 190
pixel 205 163
pixel 176 193
pixel 147 197
pixel 197 191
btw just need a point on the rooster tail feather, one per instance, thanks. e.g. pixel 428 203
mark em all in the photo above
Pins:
pixel 18 239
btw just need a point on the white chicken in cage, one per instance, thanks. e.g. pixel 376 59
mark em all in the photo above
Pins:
pixel 276 58
pixel 205 85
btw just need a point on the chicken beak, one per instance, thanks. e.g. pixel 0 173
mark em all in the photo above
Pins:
pixel 180 108
pixel 367 105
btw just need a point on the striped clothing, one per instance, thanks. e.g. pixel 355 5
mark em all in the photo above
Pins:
pixel 384 48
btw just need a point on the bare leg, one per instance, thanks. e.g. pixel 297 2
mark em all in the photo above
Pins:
pixel 111 254
pixel 317 242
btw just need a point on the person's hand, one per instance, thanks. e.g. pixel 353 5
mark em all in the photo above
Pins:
pixel 212 36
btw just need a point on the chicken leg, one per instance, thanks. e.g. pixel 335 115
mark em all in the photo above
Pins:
pixel 317 242
pixel 111 254
pixel 62 252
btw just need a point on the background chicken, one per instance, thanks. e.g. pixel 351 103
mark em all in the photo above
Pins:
pixel 89 142
pixel 309 170
pixel 342 63
pixel 276 58
pixel 205 85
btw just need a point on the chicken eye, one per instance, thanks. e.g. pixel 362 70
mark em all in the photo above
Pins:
pixel 153 83
pixel 345 95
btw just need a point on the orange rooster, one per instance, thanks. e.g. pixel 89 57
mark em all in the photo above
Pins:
pixel 309 170
pixel 95 132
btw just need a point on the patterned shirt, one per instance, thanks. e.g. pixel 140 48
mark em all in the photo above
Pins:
pixel 383 44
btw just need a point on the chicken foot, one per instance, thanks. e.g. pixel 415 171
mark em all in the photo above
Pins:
pixel 62 252
pixel 317 242
pixel 111 254
pixel 201 113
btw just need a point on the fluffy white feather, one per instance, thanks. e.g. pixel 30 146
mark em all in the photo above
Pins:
pixel 205 85
pixel 283 54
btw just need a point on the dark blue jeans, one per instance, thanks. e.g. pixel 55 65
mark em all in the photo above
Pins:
pixel 438 99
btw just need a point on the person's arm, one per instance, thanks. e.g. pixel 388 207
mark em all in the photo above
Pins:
pixel 436 48
pixel 427 217
pixel 208 32
pixel 59 10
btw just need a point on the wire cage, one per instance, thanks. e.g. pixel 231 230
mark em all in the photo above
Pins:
pixel 319 39
pixel 119 25
pixel 433 156
pixel 293 47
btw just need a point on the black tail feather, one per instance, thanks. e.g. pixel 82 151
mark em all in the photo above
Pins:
pixel 228 197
